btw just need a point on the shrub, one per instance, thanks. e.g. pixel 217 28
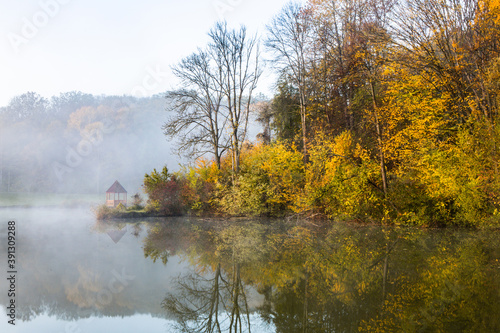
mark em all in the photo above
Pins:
pixel 164 192
pixel 137 202
pixel 199 186
pixel 103 212
pixel 270 179
pixel 341 180
pixel 121 208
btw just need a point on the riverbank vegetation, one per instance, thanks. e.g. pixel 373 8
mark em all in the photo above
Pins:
pixel 384 112
pixel 134 210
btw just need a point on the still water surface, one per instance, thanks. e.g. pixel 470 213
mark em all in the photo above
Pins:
pixel 179 274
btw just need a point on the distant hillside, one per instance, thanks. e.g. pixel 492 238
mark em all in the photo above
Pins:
pixel 80 143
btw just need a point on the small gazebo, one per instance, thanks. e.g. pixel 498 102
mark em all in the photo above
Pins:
pixel 116 195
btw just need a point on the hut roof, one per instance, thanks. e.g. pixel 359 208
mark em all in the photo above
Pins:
pixel 116 188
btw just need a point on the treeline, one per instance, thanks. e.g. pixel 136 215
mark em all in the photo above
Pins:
pixel 384 111
pixel 79 143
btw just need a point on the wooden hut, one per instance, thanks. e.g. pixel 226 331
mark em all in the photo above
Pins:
pixel 116 195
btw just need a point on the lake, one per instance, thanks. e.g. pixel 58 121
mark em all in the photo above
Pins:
pixel 75 274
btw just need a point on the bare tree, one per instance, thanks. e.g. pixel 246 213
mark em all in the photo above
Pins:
pixel 199 119
pixel 212 105
pixel 288 38
pixel 236 56
pixel 199 303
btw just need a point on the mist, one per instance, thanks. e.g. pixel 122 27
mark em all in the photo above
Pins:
pixel 78 143
pixel 67 258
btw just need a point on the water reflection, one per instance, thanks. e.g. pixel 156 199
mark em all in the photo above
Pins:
pixel 214 297
pixel 71 268
pixel 335 279
pixel 240 275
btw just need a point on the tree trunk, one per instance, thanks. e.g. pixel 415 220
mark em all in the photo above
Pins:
pixel 217 159
pixel 379 139
pixel 386 269
pixel 304 128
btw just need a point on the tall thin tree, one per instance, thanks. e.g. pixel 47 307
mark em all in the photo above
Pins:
pixel 237 59
pixel 288 38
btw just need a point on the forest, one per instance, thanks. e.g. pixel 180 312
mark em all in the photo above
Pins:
pixel 77 143
pixel 384 112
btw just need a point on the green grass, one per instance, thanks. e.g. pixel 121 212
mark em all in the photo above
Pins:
pixel 49 199
pixel 103 212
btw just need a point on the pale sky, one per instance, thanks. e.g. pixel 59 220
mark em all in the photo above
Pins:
pixel 110 46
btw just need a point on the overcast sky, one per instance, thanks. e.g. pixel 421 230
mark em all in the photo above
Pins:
pixel 110 46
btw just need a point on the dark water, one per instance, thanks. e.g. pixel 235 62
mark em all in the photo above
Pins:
pixel 171 275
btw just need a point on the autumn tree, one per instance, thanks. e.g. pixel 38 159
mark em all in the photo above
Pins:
pixel 451 44
pixel 351 42
pixel 28 106
pixel 20 145
pixel 288 39
pixel 494 7
pixel 68 102
pixel 374 56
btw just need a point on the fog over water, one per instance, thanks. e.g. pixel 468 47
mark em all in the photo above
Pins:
pixel 66 263
pixel 74 272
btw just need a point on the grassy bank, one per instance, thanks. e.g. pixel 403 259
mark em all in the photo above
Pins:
pixel 103 212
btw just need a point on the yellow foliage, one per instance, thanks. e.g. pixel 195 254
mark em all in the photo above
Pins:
pixel 339 179
pixel 269 181
pixel 207 170
pixel 493 6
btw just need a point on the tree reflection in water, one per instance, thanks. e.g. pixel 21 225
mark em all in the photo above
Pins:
pixel 214 298
pixel 210 305
pixel 331 279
